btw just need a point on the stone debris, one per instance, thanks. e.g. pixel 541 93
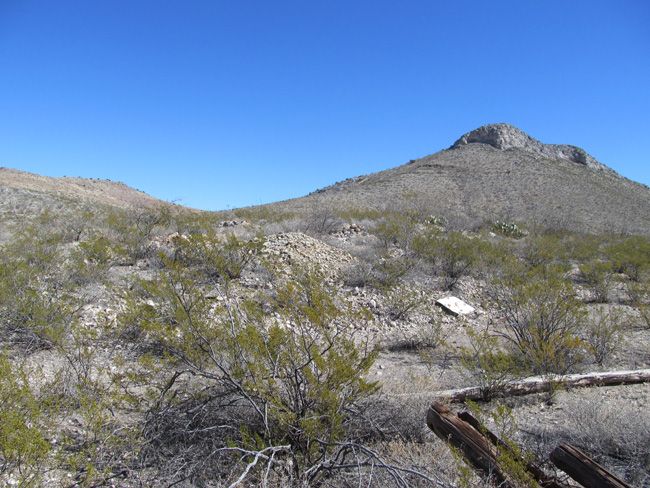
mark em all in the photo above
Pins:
pixel 297 249
pixel 232 223
pixel 455 306
pixel 349 230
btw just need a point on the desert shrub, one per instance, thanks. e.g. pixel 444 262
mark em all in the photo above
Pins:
pixel 597 275
pixel 321 221
pixel 603 333
pixel 400 302
pixel 215 257
pixel 542 250
pixel 90 261
pixel 429 336
pixel 630 256
pixel 435 221
pixel 281 392
pixel 583 248
pixel 23 445
pixel 493 257
pixel 640 298
pixel 359 274
pixel 78 223
pixel 395 229
pixel 383 271
pixel 265 214
pixel 453 255
pixel 132 231
pixel 37 303
pixel 357 214
pixel 388 270
pixel 102 448
pixel 189 222
pixel 542 318
pixel 487 364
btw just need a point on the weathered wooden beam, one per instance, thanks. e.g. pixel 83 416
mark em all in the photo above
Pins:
pixel 540 384
pixel 480 453
pixel 480 446
pixel 542 478
pixel 583 469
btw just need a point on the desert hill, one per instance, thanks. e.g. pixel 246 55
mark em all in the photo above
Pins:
pixel 498 172
pixel 24 195
pixel 102 192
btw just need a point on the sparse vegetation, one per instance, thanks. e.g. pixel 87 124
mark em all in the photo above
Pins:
pixel 23 444
pixel 508 229
pixel 488 365
pixel 164 345
pixel 543 319
pixel 603 333
pixel 452 255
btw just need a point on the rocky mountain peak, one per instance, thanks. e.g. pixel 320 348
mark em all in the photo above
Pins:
pixel 506 136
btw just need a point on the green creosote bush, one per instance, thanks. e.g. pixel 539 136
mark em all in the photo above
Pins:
pixel 604 333
pixel 264 214
pixel 630 256
pixel 298 380
pixel 90 261
pixel 487 364
pixel 542 250
pixel 542 318
pixel 23 445
pixel 216 257
pixel 132 231
pixel 401 302
pixel 382 272
pixel 37 300
pixel 640 299
pixel 598 276
pixel 583 248
pixel 394 230
pixel 191 223
pixel 452 255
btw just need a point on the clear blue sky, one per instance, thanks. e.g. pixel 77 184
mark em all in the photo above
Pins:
pixel 223 104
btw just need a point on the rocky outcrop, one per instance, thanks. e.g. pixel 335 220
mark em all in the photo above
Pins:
pixel 506 136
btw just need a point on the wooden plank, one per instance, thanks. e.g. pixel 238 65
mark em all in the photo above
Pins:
pixel 584 470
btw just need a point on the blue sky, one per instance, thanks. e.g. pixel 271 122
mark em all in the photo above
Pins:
pixel 222 104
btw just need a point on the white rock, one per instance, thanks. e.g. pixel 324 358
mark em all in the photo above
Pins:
pixel 454 306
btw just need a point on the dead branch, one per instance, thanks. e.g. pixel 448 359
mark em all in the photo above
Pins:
pixel 540 384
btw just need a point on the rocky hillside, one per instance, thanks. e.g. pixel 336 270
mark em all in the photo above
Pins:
pixel 25 194
pixel 498 172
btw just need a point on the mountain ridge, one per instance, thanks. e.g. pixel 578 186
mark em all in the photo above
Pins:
pixel 495 172
pixel 505 136
pixel 498 172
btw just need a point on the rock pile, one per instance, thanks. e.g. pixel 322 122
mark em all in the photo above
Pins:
pixel 297 249
pixel 349 230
